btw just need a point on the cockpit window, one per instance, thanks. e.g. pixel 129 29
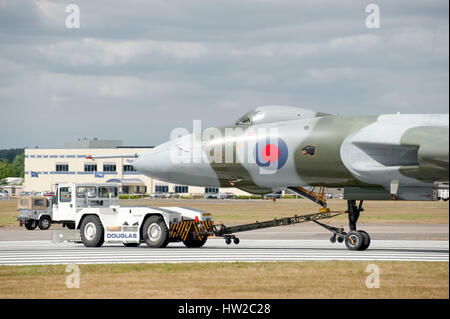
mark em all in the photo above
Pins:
pixel 276 113
pixel 245 120
pixel 251 118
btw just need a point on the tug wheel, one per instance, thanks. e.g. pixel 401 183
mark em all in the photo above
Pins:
pixel 155 232
pixel 92 232
pixel 195 243
pixel 69 225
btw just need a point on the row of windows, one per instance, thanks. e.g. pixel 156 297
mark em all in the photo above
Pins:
pixel 165 189
pixel 161 189
pixel 181 189
pixel 62 167
pixel 109 168
pixel 93 168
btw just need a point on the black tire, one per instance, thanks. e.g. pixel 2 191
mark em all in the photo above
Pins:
pixel 354 240
pixel 92 232
pixel 31 224
pixel 195 243
pixel 44 223
pixel 332 239
pixel 366 242
pixel 131 244
pixel 69 225
pixel 155 232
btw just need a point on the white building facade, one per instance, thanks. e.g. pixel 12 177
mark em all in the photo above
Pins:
pixel 44 168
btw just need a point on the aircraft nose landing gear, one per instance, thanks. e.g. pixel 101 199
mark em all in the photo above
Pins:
pixel 357 240
pixel 354 239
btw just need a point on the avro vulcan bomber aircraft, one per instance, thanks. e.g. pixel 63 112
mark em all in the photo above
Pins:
pixel 271 148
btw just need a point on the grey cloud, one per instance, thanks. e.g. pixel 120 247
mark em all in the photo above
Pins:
pixel 137 69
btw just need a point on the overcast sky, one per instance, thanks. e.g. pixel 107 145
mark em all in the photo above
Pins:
pixel 136 69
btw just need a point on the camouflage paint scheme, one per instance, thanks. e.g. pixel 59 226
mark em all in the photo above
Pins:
pixel 274 147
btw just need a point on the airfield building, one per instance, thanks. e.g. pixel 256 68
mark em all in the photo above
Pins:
pixel 44 168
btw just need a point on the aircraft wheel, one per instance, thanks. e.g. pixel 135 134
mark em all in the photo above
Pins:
pixel 31 224
pixel 236 241
pixel 92 232
pixel 333 239
pixel 354 240
pixel 366 242
pixel 228 241
pixel 155 232
pixel 340 239
pixel 44 223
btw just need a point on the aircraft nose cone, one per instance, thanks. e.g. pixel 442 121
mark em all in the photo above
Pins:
pixel 174 162
pixel 154 162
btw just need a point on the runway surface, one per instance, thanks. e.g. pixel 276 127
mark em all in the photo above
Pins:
pixel 380 231
pixel 38 252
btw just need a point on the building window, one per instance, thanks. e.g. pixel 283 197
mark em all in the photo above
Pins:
pixel 109 167
pixel 90 167
pixel 181 189
pixel 161 189
pixel 128 168
pixel 62 167
pixel 213 190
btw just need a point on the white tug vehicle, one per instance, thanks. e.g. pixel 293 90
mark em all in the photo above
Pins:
pixel 92 214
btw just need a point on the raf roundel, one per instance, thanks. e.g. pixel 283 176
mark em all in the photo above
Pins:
pixel 271 153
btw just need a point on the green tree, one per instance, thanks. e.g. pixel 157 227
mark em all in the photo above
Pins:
pixel 19 165
pixel 6 170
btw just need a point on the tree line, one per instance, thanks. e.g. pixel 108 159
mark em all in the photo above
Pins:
pixel 12 163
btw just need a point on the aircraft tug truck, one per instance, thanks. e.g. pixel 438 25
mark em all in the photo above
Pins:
pixel 92 214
